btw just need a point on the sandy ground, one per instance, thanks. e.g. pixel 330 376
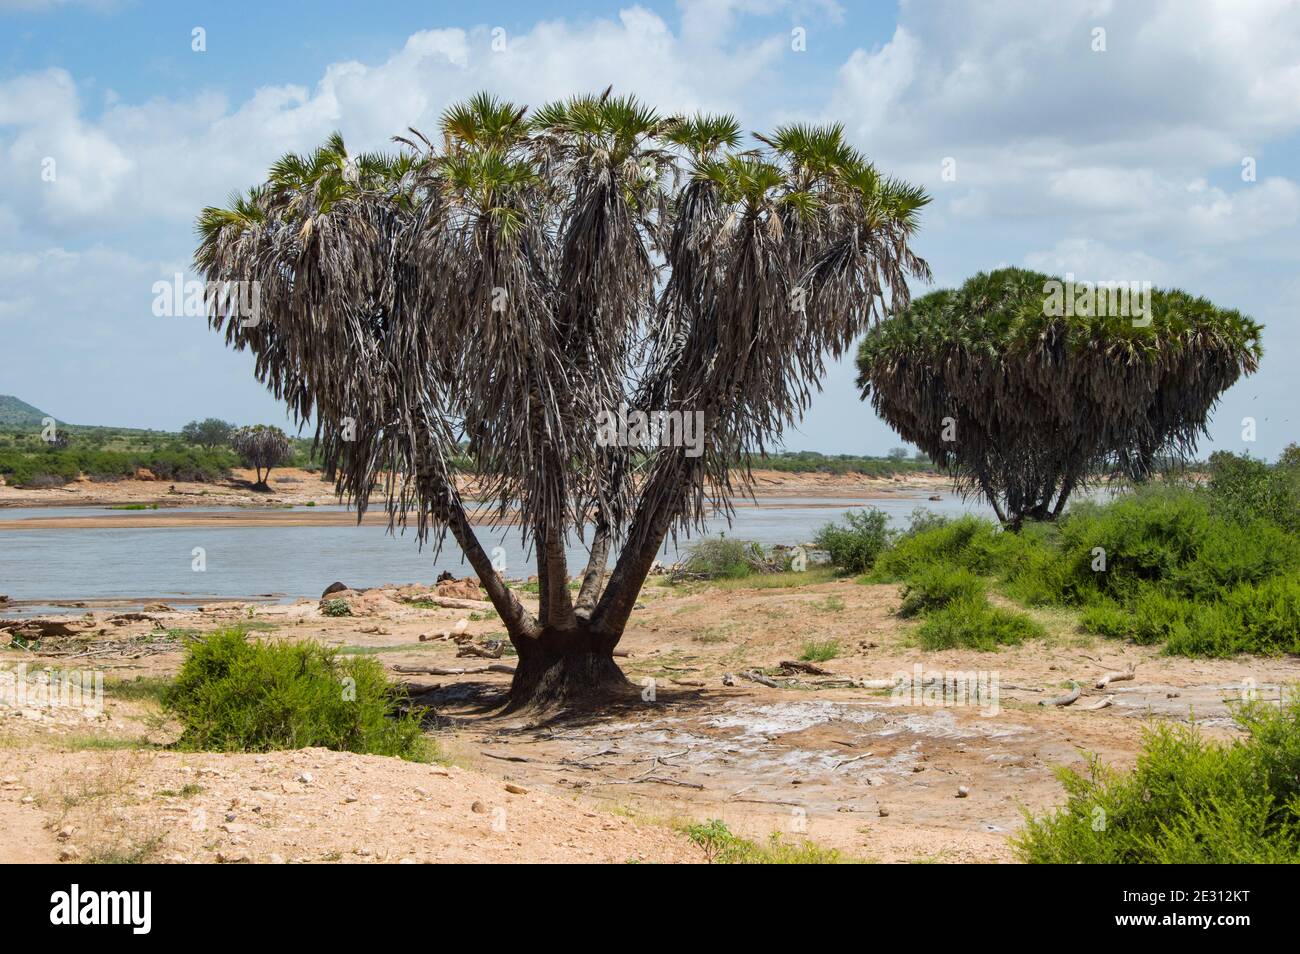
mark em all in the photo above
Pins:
pixel 293 487
pixel 848 768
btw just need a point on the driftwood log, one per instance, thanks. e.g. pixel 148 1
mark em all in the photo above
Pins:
pixel 1066 700
pixel 1110 677
pixel 453 670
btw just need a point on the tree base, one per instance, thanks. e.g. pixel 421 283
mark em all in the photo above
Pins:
pixel 546 680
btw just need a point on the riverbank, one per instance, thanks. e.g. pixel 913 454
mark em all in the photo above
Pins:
pixel 290 487
pixel 822 757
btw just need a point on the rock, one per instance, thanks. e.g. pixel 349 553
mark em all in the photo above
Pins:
pixel 158 608
pixel 40 628
pixel 884 812
pixel 466 589
pixel 305 778
pixel 234 856
pixel 276 859
pixel 516 789
pixel 478 808
pixel 66 832
pixel 69 853
pixel 963 791
pixel 335 587
pixel 144 473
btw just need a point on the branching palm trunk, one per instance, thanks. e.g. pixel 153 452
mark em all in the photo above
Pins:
pixel 491 297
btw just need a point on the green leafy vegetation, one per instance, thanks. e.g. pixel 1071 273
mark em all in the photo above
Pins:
pixel 723 558
pixel 1202 570
pixel 1188 800
pixel 722 847
pixel 972 623
pixel 935 586
pixel 200 453
pixel 338 608
pixel 802 462
pixel 233 695
pixel 854 546
pixel 820 650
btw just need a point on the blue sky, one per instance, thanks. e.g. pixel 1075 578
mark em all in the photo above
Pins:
pixel 1122 163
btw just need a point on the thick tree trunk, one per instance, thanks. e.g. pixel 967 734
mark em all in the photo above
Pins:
pixel 564 666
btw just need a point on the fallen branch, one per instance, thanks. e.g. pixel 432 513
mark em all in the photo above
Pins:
pixel 878 683
pixel 452 602
pixel 1110 677
pixel 1099 704
pixel 492 649
pixel 653 778
pixel 804 667
pixel 843 762
pixel 454 671
pixel 840 682
pixel 1066 700
pixel 754 675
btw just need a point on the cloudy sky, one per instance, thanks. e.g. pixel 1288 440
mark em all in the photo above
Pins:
pixel 1114 140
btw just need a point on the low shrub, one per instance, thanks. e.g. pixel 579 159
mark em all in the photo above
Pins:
pixel 233 695
pixel 935 586
pixel 855 546
pixel 970 542
pixel 722 847
pixel 722 558
pixel 1187 801
pixel 336 608
pixel 973 624
pixel 1261 618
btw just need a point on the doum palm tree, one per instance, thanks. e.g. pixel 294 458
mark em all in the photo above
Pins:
pixel 498 292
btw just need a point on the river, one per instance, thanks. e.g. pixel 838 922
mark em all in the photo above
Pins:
pixel 43 567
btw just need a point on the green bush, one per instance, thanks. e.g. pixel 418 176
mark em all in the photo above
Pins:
pixel 855 547
pixel 1107 618
pixel 336 608
pixel 970 542
pixel 723 558
pixel 237 696
pixel 46 466
pixel 1187 801
pixel 973 624
pixel 1261 618
pixel 1245 490
pixel 935 586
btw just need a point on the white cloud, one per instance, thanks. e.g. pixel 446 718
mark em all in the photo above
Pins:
pixel 1041 125
pixel 169 157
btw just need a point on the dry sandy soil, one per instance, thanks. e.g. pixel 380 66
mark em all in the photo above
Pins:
pixel 293 487
pixel 846 768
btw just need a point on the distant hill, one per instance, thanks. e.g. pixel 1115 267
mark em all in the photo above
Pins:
pixel 16 413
